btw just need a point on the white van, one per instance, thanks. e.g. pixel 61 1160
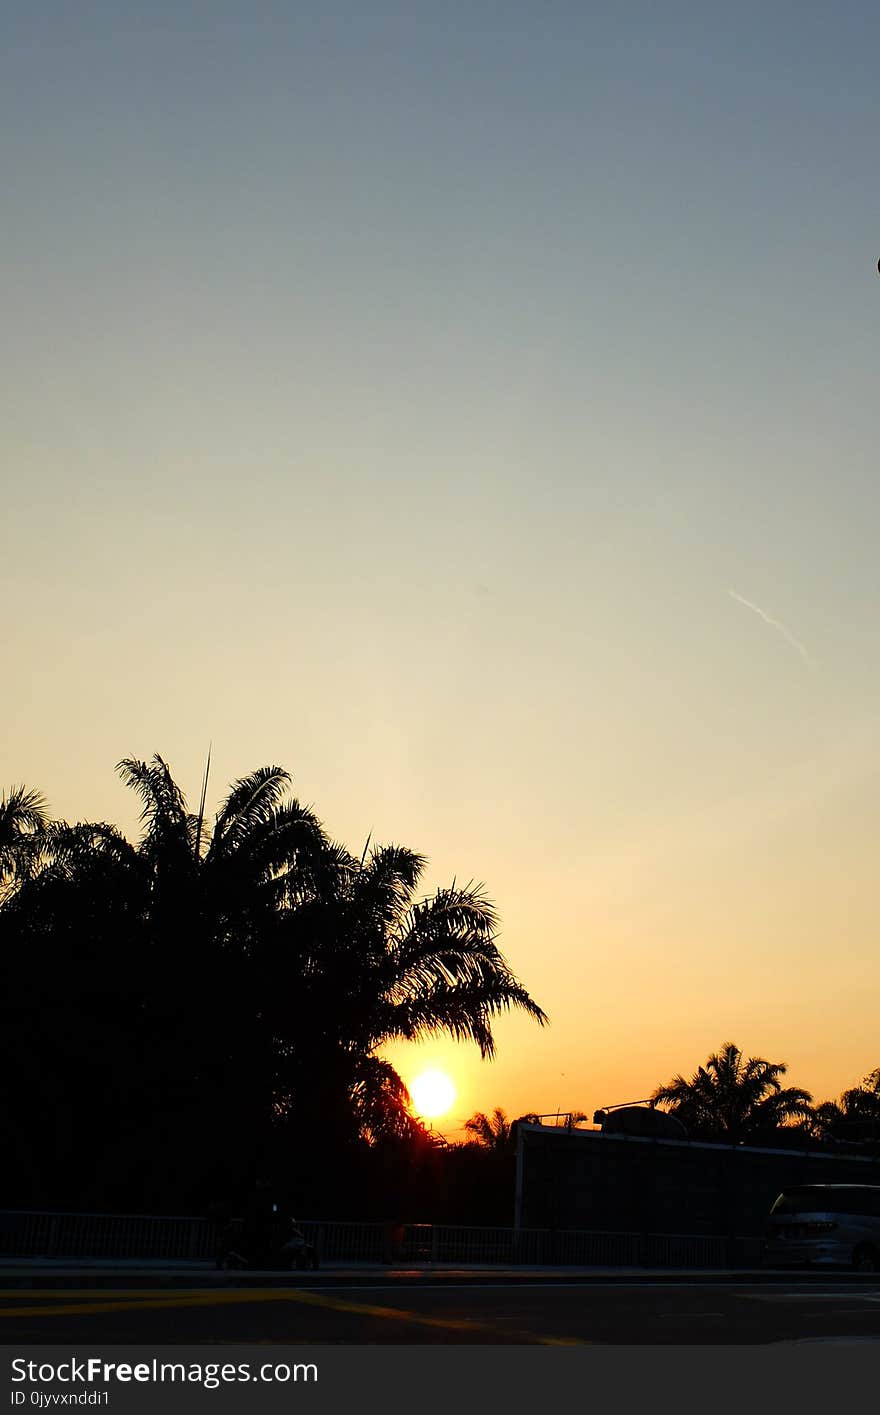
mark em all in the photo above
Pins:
pixel 825 1225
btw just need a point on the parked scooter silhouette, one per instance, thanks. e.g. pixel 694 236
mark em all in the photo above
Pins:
pixel 278 1243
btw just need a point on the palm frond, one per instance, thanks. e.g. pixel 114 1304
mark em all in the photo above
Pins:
pixel 23 810
pixel 380 1100
pixel 382 888
pixel 462 1009
pixel 163 801
pixel 66 844
pixel 24 821
pixel 250 803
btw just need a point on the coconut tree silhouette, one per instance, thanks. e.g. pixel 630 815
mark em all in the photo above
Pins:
pixel 496 1132
pixel 855 1116
pixel 244 975
pixel 734 1099
pixel 279 924
pixel 492 1132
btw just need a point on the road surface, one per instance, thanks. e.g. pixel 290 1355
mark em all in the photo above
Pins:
pixel 463 1308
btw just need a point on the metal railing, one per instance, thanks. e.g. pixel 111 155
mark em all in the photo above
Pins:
pixel 31 1234
pixel 50 1235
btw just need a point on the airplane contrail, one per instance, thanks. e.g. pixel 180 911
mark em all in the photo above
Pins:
pixel 774 624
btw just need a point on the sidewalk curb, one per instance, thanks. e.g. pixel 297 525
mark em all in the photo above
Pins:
pixel 68 1275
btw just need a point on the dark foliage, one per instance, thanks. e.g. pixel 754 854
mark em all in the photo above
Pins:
pixel 209 1005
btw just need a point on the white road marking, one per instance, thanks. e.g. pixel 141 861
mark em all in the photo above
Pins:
pixel 734 1283
pixel 688 1316
pixel 828 1341
pixel 846 1296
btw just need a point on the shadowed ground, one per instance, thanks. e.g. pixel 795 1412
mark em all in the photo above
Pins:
pixel 457 1307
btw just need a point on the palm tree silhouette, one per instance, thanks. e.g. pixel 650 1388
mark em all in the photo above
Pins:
pixel 734 1099
pixel 496 1132
pixel 856 1116
pixel 316 958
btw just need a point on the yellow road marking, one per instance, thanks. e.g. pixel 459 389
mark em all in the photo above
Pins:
pixel 86 1305
pixel 62 1293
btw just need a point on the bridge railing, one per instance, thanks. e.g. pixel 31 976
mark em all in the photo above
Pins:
pixel 33 1234
pixel 39 1234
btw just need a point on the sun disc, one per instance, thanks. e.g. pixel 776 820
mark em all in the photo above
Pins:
pixel 432 1093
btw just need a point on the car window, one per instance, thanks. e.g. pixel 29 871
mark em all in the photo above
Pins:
pixel 829 1201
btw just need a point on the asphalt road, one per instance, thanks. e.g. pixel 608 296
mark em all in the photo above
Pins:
pixel 454 1310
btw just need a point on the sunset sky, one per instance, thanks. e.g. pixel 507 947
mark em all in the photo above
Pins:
pixel 473 408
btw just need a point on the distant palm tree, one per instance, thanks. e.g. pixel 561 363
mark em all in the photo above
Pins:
pixel 496 1132
pixel 856 1116
pixel 734 1099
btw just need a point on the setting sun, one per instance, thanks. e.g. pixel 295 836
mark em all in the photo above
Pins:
pixel 432 1093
